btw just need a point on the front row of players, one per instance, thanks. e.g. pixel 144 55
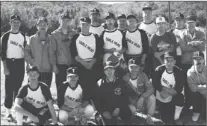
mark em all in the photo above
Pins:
pixel 116 98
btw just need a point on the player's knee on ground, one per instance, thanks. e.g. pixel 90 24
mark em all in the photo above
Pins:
pixel 63 116
pixel 133 109
pixel 151 104
pixel 89 111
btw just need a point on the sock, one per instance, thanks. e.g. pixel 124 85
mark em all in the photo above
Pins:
pixel 178 110
pixel 19 118
pixel 8 111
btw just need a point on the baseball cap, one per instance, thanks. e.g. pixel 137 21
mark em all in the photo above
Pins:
pixel 179 16
pixel 131 16
pixel 15 17
pixel 42 19
pixel 85 20
pixel 191 18
pixel 160 19
pixel 110 15
pixel 65 15
pixel 169 55
pixel 33 68
pixel 72 71
pixel 94 10
pixel 121 16
pixel 146 7
pixel 115 57
pixel 109 64
pixel 198 55
pixel 133 62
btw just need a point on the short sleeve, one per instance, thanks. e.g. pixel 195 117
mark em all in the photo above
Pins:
pixel 46 92
pixel 22 93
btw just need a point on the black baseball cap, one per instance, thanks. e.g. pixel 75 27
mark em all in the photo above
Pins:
pixel 15 17
pixel 191 18
pixel 109 64
pixel 131 16
pixel 198 55
pixel 94 10
pixel 65 15
pixel 110 15
pixel 169 55
pixel 133 62
pixel 179 16
pixel 33 68
pixel 72 71
pixel 146 7
pixel 121 16
pixel 42 19
pixel 85 20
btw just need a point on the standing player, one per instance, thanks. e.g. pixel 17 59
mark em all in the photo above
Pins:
pixel 178 31
pixel 113 39
pixel 38 51
pixel 113 97
pixel 34 100
pixel 71 101
pixel 122 22
pixel 12 49
pixel 96 27
pixel 142 97
pixel 86 49
pixel 161 42
pixel 137 41
pixel 61 56
pixel 197 82
pixel 168 81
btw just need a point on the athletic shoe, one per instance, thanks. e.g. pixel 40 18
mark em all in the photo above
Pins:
pixel 195 116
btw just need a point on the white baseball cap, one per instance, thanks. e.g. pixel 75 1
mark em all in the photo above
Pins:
pixel 160 19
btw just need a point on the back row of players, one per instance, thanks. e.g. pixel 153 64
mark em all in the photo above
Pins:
pixel 141 48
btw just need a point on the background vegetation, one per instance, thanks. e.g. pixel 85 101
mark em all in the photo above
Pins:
pixel 29 11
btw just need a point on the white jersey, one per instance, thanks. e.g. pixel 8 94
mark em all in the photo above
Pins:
pixel 167 80
pixel 97 29
pixel 148 28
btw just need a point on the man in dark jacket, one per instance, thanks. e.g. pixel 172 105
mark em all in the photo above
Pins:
pixel 113 99
pixel 168 80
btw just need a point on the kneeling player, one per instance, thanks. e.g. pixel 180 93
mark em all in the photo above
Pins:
pixel 141 90
pixel 70 101
pixel 34 100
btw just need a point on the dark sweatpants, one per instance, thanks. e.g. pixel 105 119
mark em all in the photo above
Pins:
pixel 46 77
pixel 14 80
pixel 198 102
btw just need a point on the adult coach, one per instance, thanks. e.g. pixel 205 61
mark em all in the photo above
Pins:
pixel 12 48
pixel 96 27
pixel 61 56
pixel 38 51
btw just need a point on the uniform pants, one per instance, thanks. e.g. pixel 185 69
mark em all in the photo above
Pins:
pixel 14 80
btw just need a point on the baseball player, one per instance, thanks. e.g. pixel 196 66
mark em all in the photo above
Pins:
pixel 197 81
pixel 168 81
pixel 34 100
pixel 96 27
pixel 86 49
pixel 113 97
pixel 12 50
pixel 61 55
pixel 142 92
pixel 38 51
pixel 71 101
pixel 137 41
pixel 113 39
pixel 122 22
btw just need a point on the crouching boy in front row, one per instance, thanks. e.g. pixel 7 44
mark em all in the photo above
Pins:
pixel 71 101
pixel 34 100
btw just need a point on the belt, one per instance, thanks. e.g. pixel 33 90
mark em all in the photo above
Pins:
pixel 14 59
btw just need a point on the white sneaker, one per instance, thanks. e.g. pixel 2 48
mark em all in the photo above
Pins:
pixel 195 116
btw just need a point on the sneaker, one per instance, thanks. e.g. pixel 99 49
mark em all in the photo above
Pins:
pixel 149 120
pixel 195 116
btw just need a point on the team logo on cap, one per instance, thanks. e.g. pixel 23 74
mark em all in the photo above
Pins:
pixel 117 91
pixel 160 18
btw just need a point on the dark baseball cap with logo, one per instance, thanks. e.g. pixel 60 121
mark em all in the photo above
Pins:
pixel 33 68
pixel 133 62
pixel 110 15
pixel 109 64
pixel 85 20
pixel 72 71
pixel 169 55
pixel 198 55
pixel 146 7
pixel 179 16
pixel 94 11
pixel 15 17
pixel 191 18
pixel 121 16
pixel 131 16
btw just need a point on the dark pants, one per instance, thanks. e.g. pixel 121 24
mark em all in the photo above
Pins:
pixel 198 102
pixel 61 76
pixel 14 80
pixel 43 114
pixel 125 114
pixel 178 61
pixel 45 77
pixel 148 68
pixel 167 110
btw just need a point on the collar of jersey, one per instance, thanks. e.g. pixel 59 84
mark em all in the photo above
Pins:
pixel 35 88
pixel 132 31
pixel 148 23
pixel 86 35
pixel 111 31
pixel 96 26
pixel 13 32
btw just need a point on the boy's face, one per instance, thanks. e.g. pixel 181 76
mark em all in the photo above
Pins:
pixel 33 76
pixel 131 22
pixel 65 22
pixel 72 79
pixel 42 26
pixel 169 62
pixel 121 23
pixel 199 64
pixel 15 24
pixel 94 16
pixel 134 68
pixel 109 72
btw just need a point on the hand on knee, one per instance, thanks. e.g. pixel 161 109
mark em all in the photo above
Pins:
pixel 63 116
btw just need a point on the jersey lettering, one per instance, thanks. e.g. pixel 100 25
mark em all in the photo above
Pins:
pixel 113 42
pixel 133 43
pixel 86 46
